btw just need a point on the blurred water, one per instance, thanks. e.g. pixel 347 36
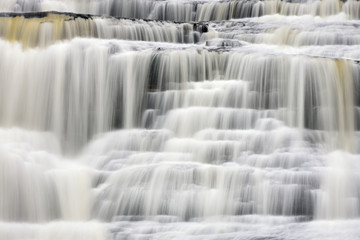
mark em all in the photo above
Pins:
pixel 117 128
pixel 187 10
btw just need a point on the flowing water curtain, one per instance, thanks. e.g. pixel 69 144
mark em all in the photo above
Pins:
pixel 36 185
pixel 183 133
pixel 190 121
pixel 269 78
pixel 63 89
pixel 187 10
pixel 42 31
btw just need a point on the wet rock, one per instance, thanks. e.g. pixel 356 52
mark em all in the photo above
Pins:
pixel 224 43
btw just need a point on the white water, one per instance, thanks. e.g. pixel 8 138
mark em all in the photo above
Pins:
pixel 187 10
pixel 133 129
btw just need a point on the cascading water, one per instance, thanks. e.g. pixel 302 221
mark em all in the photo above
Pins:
pixel 149 119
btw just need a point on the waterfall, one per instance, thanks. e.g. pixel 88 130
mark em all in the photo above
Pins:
pixel 187 10
pixel 152 119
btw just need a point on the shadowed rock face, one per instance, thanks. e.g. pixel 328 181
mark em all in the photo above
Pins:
pixel 170 121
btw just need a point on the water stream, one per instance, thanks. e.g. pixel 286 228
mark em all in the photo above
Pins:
pixel 149 119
